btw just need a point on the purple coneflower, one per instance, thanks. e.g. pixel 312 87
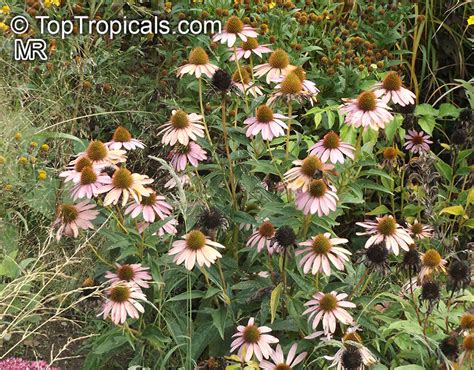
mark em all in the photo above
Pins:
pixel 330 308
pixel 123 299
pixel 319 198
pixel 89 183
pixel 331 148
pixel 320 252
pixel 386 230
pixel 234 28
pixel 182 154
pixel 195 248
pixel 182 128
pixel 417 142
pixel 263 238
pixel 242 81
pixel 134 273
pixel 305 170
pixel 73 217
pixel 124 184
pixel 391 89
pixel 266 122
pixel 431 262
pixel 123 138
pixel 290 89
pixel 101 156
pixel 198 65
pixel 150 206
pixel 73 171
pixel 278 65
pixel 366 111
pixel 419 231
pixel 248 47
pixel 253 340
pixel 278 359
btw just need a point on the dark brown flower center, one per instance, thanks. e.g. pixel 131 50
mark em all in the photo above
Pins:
pixel 266 229
pixel 88 176
pixel 279 59
pixel 125 272
pixel 352 336
pixel 387 226
pixel 234 25
pixel 264 114
pixel 122 178
pixel 250 44
pixel 291 84
pixel 198 56
pixel 416 228
pixel 392 81
pixel 241 77
pixel 81 163
pixel 119 294
pixel 282 367
pixel 431 258
pixel 367 101
pixel 195 240
pixel 96 151
pixel 317 188
pixel 149 200
pixel 180 119
pixel 251 334
pixel 69 213
pixel 122 135
pixel 331 140
pixel 467 321
pixel 328 302
pixel 417 140
pixel 321 244
pixel 310 165
pixel 390 153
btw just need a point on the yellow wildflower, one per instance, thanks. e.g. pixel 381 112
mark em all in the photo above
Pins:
pixel 470 20
pixel 42 175
pixel 5 10
pixel 48 3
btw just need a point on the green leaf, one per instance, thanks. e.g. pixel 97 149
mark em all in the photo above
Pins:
pixel 425 110
pixel 317 119
pixel 367 184
pixel 187 295
pixel 275 300
pixel 392 127
pixel 380 210
pixel 469 223
pixel 409 367
pixel 445 169
pixel 219 317
pixel 470 197
pixel 453 210
pixel 427 123
pixel 448 110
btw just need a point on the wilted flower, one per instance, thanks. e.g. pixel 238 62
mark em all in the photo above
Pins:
pixel 284 237
pixel 182 154
pixel 430 292
pixel 417 142
pixel 134 273
pixel 73 217
pixel 366 111
pixel 221 81
pixel 411 260
pixel 198 65
pixel 431 262
pixel 330 308
pixel 386 230
pixel 391 89
pixel 449 347
pixel 123 299
pixel 320 252
pixel 278 359
pixel 195 248
pixel 253 340
pixel 459 275
pixel 419 231
pixel 212 219
pixel 266 122
pixel 331 148
pixel 234 28
pixel 376 259
pixel 123 138
pixel 182 128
